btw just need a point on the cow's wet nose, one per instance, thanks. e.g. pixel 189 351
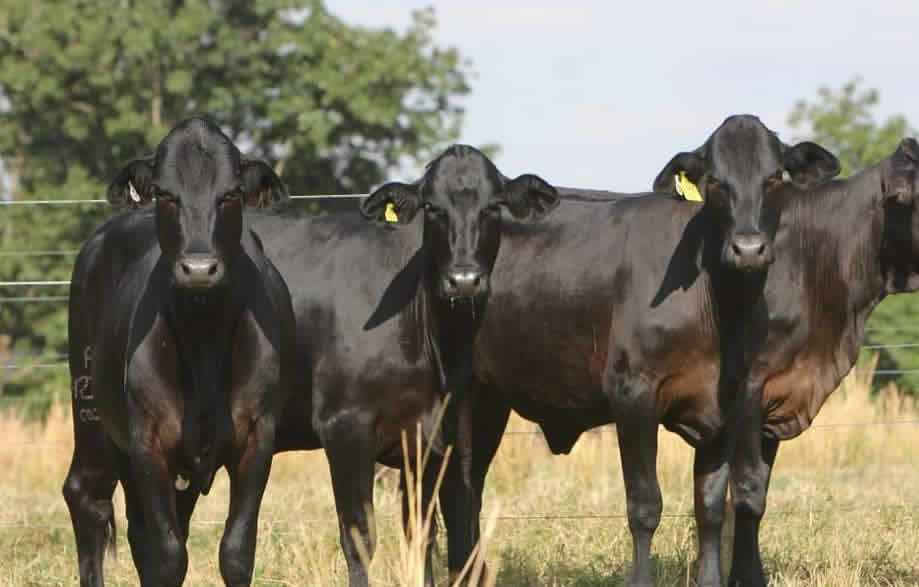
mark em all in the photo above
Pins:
pixel 465 283
pixel 750 251
pixel 198 271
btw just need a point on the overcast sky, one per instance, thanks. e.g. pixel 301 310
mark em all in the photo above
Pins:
pixel 602 93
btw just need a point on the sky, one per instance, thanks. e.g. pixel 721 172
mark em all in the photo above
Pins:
pixel 602 94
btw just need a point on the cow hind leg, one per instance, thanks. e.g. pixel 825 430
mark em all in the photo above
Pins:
pixel 248 478
pixel 749 484
pixel 88 492
pixel 428 481
pixel 637 433
pixel 350 448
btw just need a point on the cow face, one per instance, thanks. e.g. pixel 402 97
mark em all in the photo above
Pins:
pixel 736 169
pixel 462 195
pixel 199 184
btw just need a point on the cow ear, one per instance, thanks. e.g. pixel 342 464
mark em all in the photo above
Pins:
pixel 262 188
pixel 688 165
pixel 392 203
pixel 809 165
pixel 133 186
pixel 529 197
pixel 901 178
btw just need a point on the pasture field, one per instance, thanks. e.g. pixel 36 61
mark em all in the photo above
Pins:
pixel 843 510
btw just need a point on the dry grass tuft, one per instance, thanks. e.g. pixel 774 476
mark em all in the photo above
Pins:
pixel 843 510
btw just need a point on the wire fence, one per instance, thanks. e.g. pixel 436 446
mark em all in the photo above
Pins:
pixel 59 362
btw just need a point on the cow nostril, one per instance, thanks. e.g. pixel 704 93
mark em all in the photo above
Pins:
pixel 212 270
pixel 186 269
pixel 735 248
pixel 761 249
pixel 451 281
pixel 478 279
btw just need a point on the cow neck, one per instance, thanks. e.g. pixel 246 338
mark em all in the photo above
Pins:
pixel 837 240
pixel 203 332
pixel 452 326
pixel 737 308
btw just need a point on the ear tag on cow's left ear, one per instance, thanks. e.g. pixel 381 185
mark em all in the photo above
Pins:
pixel 686 188
pixel 390 213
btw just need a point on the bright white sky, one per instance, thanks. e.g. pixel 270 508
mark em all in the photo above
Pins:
pixel 602 93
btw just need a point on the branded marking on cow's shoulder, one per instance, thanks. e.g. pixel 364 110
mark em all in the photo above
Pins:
pixel 89 415
pixel 83 388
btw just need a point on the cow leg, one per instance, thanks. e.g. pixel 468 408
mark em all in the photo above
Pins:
pixel 156 533
pixel 88 492
pixel 711 474
pixel 480 431
pixel 749 484
pixel 248 478
pixel 185 506
pixel 349 445
pixel 637 433
pixel 134 511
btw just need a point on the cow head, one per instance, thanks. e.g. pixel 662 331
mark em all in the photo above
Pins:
pixel 900 189
pixel 199 183
pixel 735 170
pixel 461 194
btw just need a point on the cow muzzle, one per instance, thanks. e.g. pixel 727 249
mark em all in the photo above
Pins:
pixel 199 272
pixel 465 282
pixel 749 252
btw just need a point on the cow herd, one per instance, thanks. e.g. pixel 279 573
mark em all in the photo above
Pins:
pixel 209 327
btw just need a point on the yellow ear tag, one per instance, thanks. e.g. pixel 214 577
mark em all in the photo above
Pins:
pixel 390 213
pixel 686 188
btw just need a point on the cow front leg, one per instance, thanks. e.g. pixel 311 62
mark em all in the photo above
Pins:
pixel 637 432
pixel 164 559
pixel 710 472
pixel 749 485
pixel 483 418
pixel 248 478
pixel 350 448
pixel 88 491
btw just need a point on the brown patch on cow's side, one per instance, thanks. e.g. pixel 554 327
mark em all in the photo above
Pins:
pixel 687 398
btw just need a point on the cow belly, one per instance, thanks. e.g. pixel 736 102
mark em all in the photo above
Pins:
pixel 687 403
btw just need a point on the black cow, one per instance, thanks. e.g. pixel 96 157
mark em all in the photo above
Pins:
pixel 385 322
pixel 640 311
pixel 181 347
pixel 385 329
pixel 840 249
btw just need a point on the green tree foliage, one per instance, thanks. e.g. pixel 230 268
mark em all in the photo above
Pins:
pixel 87 86
pixel 844 122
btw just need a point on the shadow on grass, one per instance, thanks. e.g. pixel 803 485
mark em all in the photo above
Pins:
pixel 520 568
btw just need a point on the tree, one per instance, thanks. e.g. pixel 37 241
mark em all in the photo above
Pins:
pixel 844 122
pixel 87 86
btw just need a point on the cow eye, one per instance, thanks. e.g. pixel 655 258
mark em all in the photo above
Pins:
pixel 774 180
pixel 230 196
pixel 166 197
pixel 434 211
